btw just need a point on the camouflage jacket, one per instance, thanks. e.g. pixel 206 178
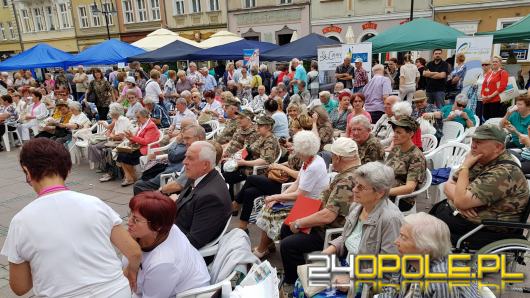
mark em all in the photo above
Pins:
pixel 242 138
pixel 226 135
pixel 325 133
pixel 407 166
pixel 266 148
pixel 371 150
pixel 502 187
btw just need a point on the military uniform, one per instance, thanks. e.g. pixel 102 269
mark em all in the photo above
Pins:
pixel 337 197
pixel 501 186
pixel 242 138
pixel 371 150
pixel 228 131
pixel 325 133
pixel 266 148
pixel 408 166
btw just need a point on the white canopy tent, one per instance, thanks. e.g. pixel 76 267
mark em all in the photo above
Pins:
pixel 219 38
pixel 160 38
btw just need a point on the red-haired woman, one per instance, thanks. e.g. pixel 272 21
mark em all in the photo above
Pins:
pixel 170 264
pixel 61 244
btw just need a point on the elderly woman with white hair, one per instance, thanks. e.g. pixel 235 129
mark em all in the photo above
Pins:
pixel 311 181
pixel 459 112
pixel 404 109
pixel 157 114
pixel 134 104
pixel 183 82
pixel 424 234
pixel 372 224
pixel 78 120
pixel 327 102
pixel 100 153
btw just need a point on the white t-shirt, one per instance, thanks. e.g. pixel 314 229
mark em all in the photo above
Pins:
pixel 122 124
pixel 80 119
pixel 152 89
pixel 65 237
pixel 410 72
pixel 173 267
pixel 314 179
pixel 187 114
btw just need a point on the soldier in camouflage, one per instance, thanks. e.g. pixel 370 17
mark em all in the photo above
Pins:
pixel 335 201
pixel 488 185
pixel 231 106
pixel 245 134
pixel 407 161
pixel 370 149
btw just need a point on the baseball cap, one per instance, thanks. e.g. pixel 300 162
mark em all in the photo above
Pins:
pixel 130 80
pixel 342 146
pixel 405 121
pixel 490 132
pixel 246 113
pixel 358 60
pixel 232 101
pixel 265 120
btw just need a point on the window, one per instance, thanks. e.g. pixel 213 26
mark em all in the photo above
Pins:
pixel 50 21
pixel 108 7
pixel 39 19
pixel 96 21
pixel 128 11
pixel 286 1
pixel 155 10
pixel 11 30
pixel 2 32
pixel 26 20
pixel 214 5
pixel 519 49
pixel 5 2
pixel 142 10
pixel 179 7
pixel 64 17
pixel 249 3
pixel 83 17
pixel 195 6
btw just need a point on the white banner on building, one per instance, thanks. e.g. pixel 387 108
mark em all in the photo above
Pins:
pixel 329 57
pixel 475 49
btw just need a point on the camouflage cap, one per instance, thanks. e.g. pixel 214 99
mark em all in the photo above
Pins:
pixel 406 122
pixel 265 120
pixel 490 132
pixel 232 101
pixel 245 113
pixel 61 103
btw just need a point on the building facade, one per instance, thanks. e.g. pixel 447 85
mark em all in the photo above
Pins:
pixel 471 16
pixel 196 19
pixel 365 18
pixel 272 21
pixel 9 38
pixel 137 18
pixel 47 21
pixel 91 23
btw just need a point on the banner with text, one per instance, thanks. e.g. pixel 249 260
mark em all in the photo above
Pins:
pixel 251 58
pixel 475 49
pixel 329 57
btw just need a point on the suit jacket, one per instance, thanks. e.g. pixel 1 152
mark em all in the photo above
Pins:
pixel 202 214
pixel 149 135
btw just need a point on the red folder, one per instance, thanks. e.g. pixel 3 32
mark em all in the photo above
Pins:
pixel 303 207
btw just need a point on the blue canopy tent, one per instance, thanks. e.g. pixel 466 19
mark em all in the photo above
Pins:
pixel 109 52
pixel 230 51
pixel 174 51
pixel 39 56
pixel 302 48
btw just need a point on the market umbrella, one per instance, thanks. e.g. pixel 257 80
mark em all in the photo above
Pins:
pixel 219 38
pixel 231 51
pixel 516 32
pixel 39 56
pixel 302 48
pixel 174 51
pixel 419 34
pixel 294 36
pixel 160 38
pixel 109 52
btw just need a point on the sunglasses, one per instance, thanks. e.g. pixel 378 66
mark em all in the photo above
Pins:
pixel 460 105
pixel 485 65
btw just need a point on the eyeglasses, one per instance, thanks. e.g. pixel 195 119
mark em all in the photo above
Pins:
pixel 485 65
pixel 135 220
pixel 361 187
pixel 460 105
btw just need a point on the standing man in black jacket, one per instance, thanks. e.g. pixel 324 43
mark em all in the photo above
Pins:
pixel 204 205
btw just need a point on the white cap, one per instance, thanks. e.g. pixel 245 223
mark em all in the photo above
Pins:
pixel 358 60
pixel 130 80
pixel 342 146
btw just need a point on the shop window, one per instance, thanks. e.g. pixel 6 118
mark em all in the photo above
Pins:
pixel 519 49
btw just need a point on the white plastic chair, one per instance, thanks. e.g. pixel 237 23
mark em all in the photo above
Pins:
pixel 9 137
pixel 208 291
pixel 451 130
pixel 496 121
pixel 429 143
pixel 451 155
pixel 143 159
pixel 210 249
pixel 214 124
pixel 466 137
pixel 477 121
pixel 423 190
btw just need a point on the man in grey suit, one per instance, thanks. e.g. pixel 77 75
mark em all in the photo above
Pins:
pixel 204 205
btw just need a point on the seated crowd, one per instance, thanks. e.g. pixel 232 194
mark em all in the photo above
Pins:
pixel 207 153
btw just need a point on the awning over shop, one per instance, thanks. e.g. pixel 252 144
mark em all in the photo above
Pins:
pixel 516 32
pixel 231 51
pixel 174 51
pixel 109 52
pixel 419 34
pixel 39 56
pixel 159 38
pixel 302 48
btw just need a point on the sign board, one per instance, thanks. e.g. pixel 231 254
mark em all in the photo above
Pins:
pixel 476 49
pixel 251 58
pixel 329 57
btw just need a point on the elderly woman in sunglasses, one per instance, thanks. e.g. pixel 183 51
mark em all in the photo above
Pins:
pixel 459 112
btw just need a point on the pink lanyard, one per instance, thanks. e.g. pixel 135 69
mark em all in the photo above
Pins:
pixel 52 188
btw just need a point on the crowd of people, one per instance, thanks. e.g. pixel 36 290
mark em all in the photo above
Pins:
pixel 250 143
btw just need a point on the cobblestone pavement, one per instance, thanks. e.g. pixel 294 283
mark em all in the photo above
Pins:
pixel 15 193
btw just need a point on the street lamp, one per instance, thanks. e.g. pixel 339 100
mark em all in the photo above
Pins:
pixel 106 10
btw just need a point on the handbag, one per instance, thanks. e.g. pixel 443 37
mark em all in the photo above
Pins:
pixel 278 175
pixel 426 127
pixel 510 92
pixel 127 147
